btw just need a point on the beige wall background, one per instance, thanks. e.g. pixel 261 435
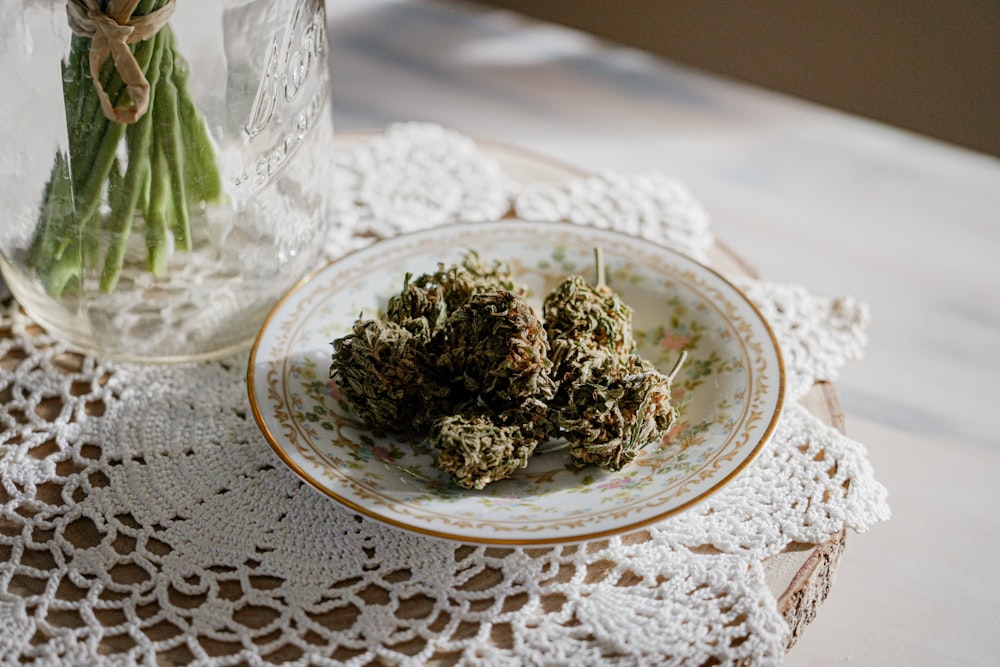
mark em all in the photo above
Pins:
pixel 930 66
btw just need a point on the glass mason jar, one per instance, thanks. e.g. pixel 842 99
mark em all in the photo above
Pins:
pixel 167 233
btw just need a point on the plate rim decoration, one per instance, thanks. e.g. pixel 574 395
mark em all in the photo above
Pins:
pixel 333 482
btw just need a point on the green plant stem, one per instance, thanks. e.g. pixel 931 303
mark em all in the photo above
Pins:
pixel 168 164
pixel 68 238
pixel 124 201
pixel 159 210
pixel 201 174
pixel 56 268
pixel 168 139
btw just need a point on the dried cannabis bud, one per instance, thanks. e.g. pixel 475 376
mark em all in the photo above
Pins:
pixel 385 372
pixel 475 450
pixel 497 357
pixel 432 297
pixel 497 351
pixel 610 403
pixel 461 357
pixel 614 410
pixel 593 315
pixel 461 341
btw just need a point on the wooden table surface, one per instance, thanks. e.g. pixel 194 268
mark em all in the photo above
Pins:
pixel 806 195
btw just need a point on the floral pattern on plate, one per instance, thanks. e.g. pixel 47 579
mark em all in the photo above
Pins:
pixel 729 391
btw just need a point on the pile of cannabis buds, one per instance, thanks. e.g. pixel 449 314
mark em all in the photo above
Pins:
pixel 460 358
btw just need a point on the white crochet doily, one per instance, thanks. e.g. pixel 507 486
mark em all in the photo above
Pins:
pixel 144 520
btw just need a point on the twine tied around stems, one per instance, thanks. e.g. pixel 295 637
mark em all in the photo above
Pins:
pixel 111 32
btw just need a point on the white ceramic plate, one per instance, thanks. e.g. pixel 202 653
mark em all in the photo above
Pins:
pixel 729 391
